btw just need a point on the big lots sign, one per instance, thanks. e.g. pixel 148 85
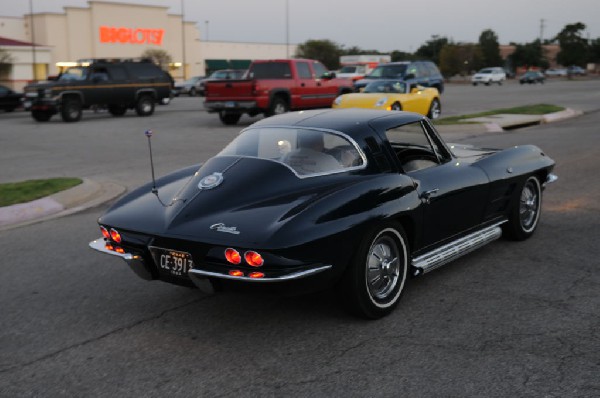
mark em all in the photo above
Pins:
pixel 111 34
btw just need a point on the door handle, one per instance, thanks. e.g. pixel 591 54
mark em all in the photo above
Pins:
pixel 426 195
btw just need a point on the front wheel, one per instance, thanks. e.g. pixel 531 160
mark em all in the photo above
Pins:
pixel 71 110
pixel 193 92
pixel 144 106
pixel 41 116
pixel 376 278
pixel 117 110
pixel 524 216
pixel 435 109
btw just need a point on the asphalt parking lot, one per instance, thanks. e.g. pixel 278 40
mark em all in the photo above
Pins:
pixel 511 319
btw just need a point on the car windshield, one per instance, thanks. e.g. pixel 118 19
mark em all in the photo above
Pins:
pixel 76 73
pixel 307 152
pixel 388 71
pixel 485 71
pixel 386 86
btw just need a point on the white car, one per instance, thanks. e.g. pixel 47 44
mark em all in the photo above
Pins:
pixel 555 72
pixel 489 75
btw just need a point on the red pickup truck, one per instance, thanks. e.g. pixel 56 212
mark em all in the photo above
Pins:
pixel 273 87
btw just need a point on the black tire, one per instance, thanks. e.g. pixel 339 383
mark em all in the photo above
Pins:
pixel 377 275
pixel 144 106
pixel 525 214
pixel 9 109
pixel 487 83
pixel 396 106
pixel 70 110
pixel 117 110
pixel 229 118
pixel 278 106
pixel 435 109
pixel 475 84
pixel 193 92
pixel 41 116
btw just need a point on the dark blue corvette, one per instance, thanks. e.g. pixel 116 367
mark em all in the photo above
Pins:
pixel 356 199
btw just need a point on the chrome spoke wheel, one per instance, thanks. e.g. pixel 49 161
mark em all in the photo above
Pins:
pixel 529 205
pixel 383 267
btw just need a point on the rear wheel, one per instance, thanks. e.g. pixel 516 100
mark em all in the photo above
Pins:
pixel 193 92
pixel 71 109
pixel 278 106
pixel 144 106
pixel 41 116
pixel 435 109
pixel 525 215
pixel 229 118
pixel 117 110
pixel 376 278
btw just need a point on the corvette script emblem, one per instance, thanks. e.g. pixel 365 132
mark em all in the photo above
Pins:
pixel 220 227
pixel 211 181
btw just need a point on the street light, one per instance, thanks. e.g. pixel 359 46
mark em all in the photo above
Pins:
pixel 33 65
pixel 287 28
pixel 206 24
pixel 183 38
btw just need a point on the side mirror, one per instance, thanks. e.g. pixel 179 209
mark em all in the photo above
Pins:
pixel 328 75
pixel 409 76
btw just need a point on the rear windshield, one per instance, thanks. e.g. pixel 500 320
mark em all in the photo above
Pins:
pixel 308 152
pixel 270 70
pixel 76 73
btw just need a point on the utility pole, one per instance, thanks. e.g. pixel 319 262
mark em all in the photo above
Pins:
pixel 33 65
pixel 183 39
pixel 542 30
pixel 287 28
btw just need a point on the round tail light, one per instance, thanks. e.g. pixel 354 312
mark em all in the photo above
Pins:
pixel 236 272
pixel 105 232
pixel 233 256
pixel 254 259
pixel 256 275
pixel 115 235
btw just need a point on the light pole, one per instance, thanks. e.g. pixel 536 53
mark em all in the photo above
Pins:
pixel 207 32
pixel 33 65
pixel 287 28
pixel 183 40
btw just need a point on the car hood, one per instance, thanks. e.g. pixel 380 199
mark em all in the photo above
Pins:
pixel 365 99
pixel 255 200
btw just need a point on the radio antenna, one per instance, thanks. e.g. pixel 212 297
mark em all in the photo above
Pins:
pixel 148 134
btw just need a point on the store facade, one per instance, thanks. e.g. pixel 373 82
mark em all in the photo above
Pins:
pixel 112 30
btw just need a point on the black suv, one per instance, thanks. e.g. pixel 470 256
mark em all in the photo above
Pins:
pixel 423 73
pixel 116 85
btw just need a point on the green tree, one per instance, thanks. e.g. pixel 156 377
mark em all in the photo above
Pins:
pixel 490 49
pixel 5 63
pixel 528 55
pixel 594 51
pixel 326 51
pixel 159 57
pixel 397 55
pixel 573 47
pixel 459 59
pixel 432 48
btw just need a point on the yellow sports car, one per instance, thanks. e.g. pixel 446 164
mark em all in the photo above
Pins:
pixel 394 95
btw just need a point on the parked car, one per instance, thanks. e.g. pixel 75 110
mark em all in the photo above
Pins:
pixel 424 73
pixel 575 70
pixel 224 74
pixel 188 87
pixel 273 87
pixel 361 200
pixel 352 72
pixel 394 95
pixel 555 72
pixel 116 86
pixel 9 99
pixel 532 77
pixel 488 76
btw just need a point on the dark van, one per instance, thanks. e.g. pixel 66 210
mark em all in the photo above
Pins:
pixel 423 73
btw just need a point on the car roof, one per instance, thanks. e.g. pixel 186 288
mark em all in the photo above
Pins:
pixel 356 123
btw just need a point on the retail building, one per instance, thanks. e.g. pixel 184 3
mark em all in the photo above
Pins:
pixel 112 30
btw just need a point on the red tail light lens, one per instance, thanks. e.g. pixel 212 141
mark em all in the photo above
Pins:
pixel 119 250
pixel 105 232
pixel 108 246
pixel 256 275
pixel 233 256
pixel 115 235
pixel 236 272
pixel 254 259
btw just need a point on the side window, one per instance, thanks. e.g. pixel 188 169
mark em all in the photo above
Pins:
pixel 99 75
pixel 303 70
pixel 117 73
pixel 319 69
pixel 413 148
pixel 433 70
pixel 422 70
pixel 412 70
pixel 3 90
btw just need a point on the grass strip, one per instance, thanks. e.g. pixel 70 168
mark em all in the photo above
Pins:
pixel 537 109
pixel 26 191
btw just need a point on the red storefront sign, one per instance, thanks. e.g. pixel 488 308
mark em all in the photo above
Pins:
pixel 111 34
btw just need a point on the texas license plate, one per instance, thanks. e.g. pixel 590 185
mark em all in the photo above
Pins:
pixel 172 262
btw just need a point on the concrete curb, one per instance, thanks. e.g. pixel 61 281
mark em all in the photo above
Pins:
pixel 84 196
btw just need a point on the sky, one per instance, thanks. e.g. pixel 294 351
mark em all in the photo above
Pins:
pixel 383 25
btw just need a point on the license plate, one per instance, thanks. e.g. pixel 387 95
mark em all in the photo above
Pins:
pixel 27 104
pixel 172 262
pixel 230 104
